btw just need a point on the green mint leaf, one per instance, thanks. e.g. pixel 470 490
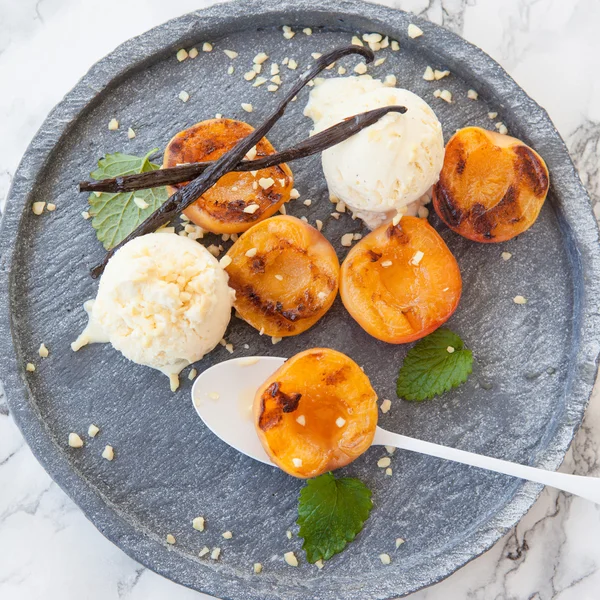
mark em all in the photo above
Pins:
pixel 115 216
pixel 330 513
pixel 430 370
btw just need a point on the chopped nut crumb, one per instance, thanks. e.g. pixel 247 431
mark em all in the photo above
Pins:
pixel 347 239
pixel 182 55
pixel 414 31
pixel 288 34
pixel 357 236
pixel 385 406
pixel 251 155
pixel 198 524
pixel 428 75
pixel 51 207
pixel 386 263
pixel 446 95
pixel 93 430
pixel 294 194
pixel 272 87
pixel 279 277
pixel 215 553
pixel 247 107
pixel 379 62
pixel 288 534
pixel 492 115
pixel 307 31
pixel 417 258
pixel 248 360
pixel 257 568
pixel 502 129
pixel 130 133
pixel 275 340
pixel 340 422
pixel 276 79
pixel 335 215
pixel 285 61
pixel 389 81
pixel 384 462
pixel 38 208
pixel 204 551
pixel 85 214
pixel 297 462
pixel 225 261
pixel 260 58
pixel 108 453
pixel 252 252
pixel 113 125
pixel 307 202
pixel 266 182
pixel 319 564
pixel 304 219
pixel 385 558
pixel 75 441
pixel 440 74
pixel 450 349
pixel 193 53
pixel 192 374
pixel 301 420
pixel 399 542
pixel 274 69
pixel 388 472
pixel 356 41
pixel 251 208
pixel 316 55
pixel 292 64
pixel 43 351
pixel 437 93
pixel 340 207
pixel 506 255
pixel 249 76
pixel 174 381
pixel 229 348
pixel 360 68
pixel 397 218
pixel 290 559
pixel 422 212
pixel 395 46
pixel 207 47
pixel 170 538
pixel 184 96
pixel 30 367
pixel 319 224
pixel 341 71
pixel 230 70
pixel 227 535
pixel 520 300
pixel 231 54
pixel 140 202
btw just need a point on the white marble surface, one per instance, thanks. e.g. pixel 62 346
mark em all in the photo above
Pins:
pixel 47 547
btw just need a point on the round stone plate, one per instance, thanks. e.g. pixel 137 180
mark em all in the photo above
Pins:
pixel 534 364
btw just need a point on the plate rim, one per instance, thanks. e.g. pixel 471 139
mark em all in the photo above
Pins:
pixel 575 219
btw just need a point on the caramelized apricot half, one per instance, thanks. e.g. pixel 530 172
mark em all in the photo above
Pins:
pixel 285 276
pixel 316 413
pixel 492 186
pixel 239 199
pixel 401 282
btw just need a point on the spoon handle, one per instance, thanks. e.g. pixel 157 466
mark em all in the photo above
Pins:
pixel 586 487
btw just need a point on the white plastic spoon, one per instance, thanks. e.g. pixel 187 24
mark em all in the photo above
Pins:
pixel 223 397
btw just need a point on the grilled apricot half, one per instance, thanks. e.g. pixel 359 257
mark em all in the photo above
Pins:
pixel 316 413
pixel 285 276
pixel 492 186
pixel 401 282
pixel 229 206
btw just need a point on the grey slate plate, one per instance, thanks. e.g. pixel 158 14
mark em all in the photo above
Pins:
pixel 535 364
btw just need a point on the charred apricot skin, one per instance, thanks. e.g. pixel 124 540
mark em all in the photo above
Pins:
pixel 491 187
pixel 285 275
pixel 221 208
pixel 316 413
pixel 401 282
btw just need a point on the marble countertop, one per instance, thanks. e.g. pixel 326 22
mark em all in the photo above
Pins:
pixel 47 547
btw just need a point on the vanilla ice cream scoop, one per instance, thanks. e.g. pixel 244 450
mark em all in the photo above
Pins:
pixel 388 166
pixel 163 302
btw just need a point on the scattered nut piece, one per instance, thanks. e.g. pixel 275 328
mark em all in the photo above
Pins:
pixel 292 64
pixel 385 406
pixel 356 41
pixel 170 538
pixel 257 568
pixel 225 261
pixel 288 34
pixel 93 430
pixel 266 182
pixel 192 374
pixel 502 129
pixel 422 212
pixel 520 300
pixel 227 535
pixel 85 214
pixel 182 55
pixel 399 542
pixel 307 31
pixel 288 534
pixel 140 202
pixel 389 81
pixel 207 47
pixel 446 95
pixel 51 207
pixel 30 367
pixel 440 74
pixel 395 46
pixel 347 239
pixel 247 107
pixel 38 208
pixel 198 524
pixel 193 53
pixel 290 559
pixel 379 62
pixel 215 553
pixel 414 31
pixel 384 462
pixel 251 208
pixel 297 462
pixel 388 472
pixel 472 95
pixel 130 133
pixel 279 277
pixel 397 218
pixel 272 87
pixel 385 558
pixel 260 58
pixel 335 215
pixel 428 75
pixel 316 55
pixel 340 422
pixel 108 453
pixel 231 54
pixel 113 125
pixel 294 194
pixel 301 420
pixel 437 93
pixel 307 202
pixel 360 68
pixel 492 115
pixel 230 70
pixel 250 75
pixel 319 564
pixel 341 71
pixel 248 360
pixel 204 551
pixel 386 263
pixel 184 96
pixel 251 253
pixel 450 349
pixel 43 351
pixel 275 340
pixel 417 258
pixel 276 79
pixel 75 441
pixel 319 224
pixel 506 255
